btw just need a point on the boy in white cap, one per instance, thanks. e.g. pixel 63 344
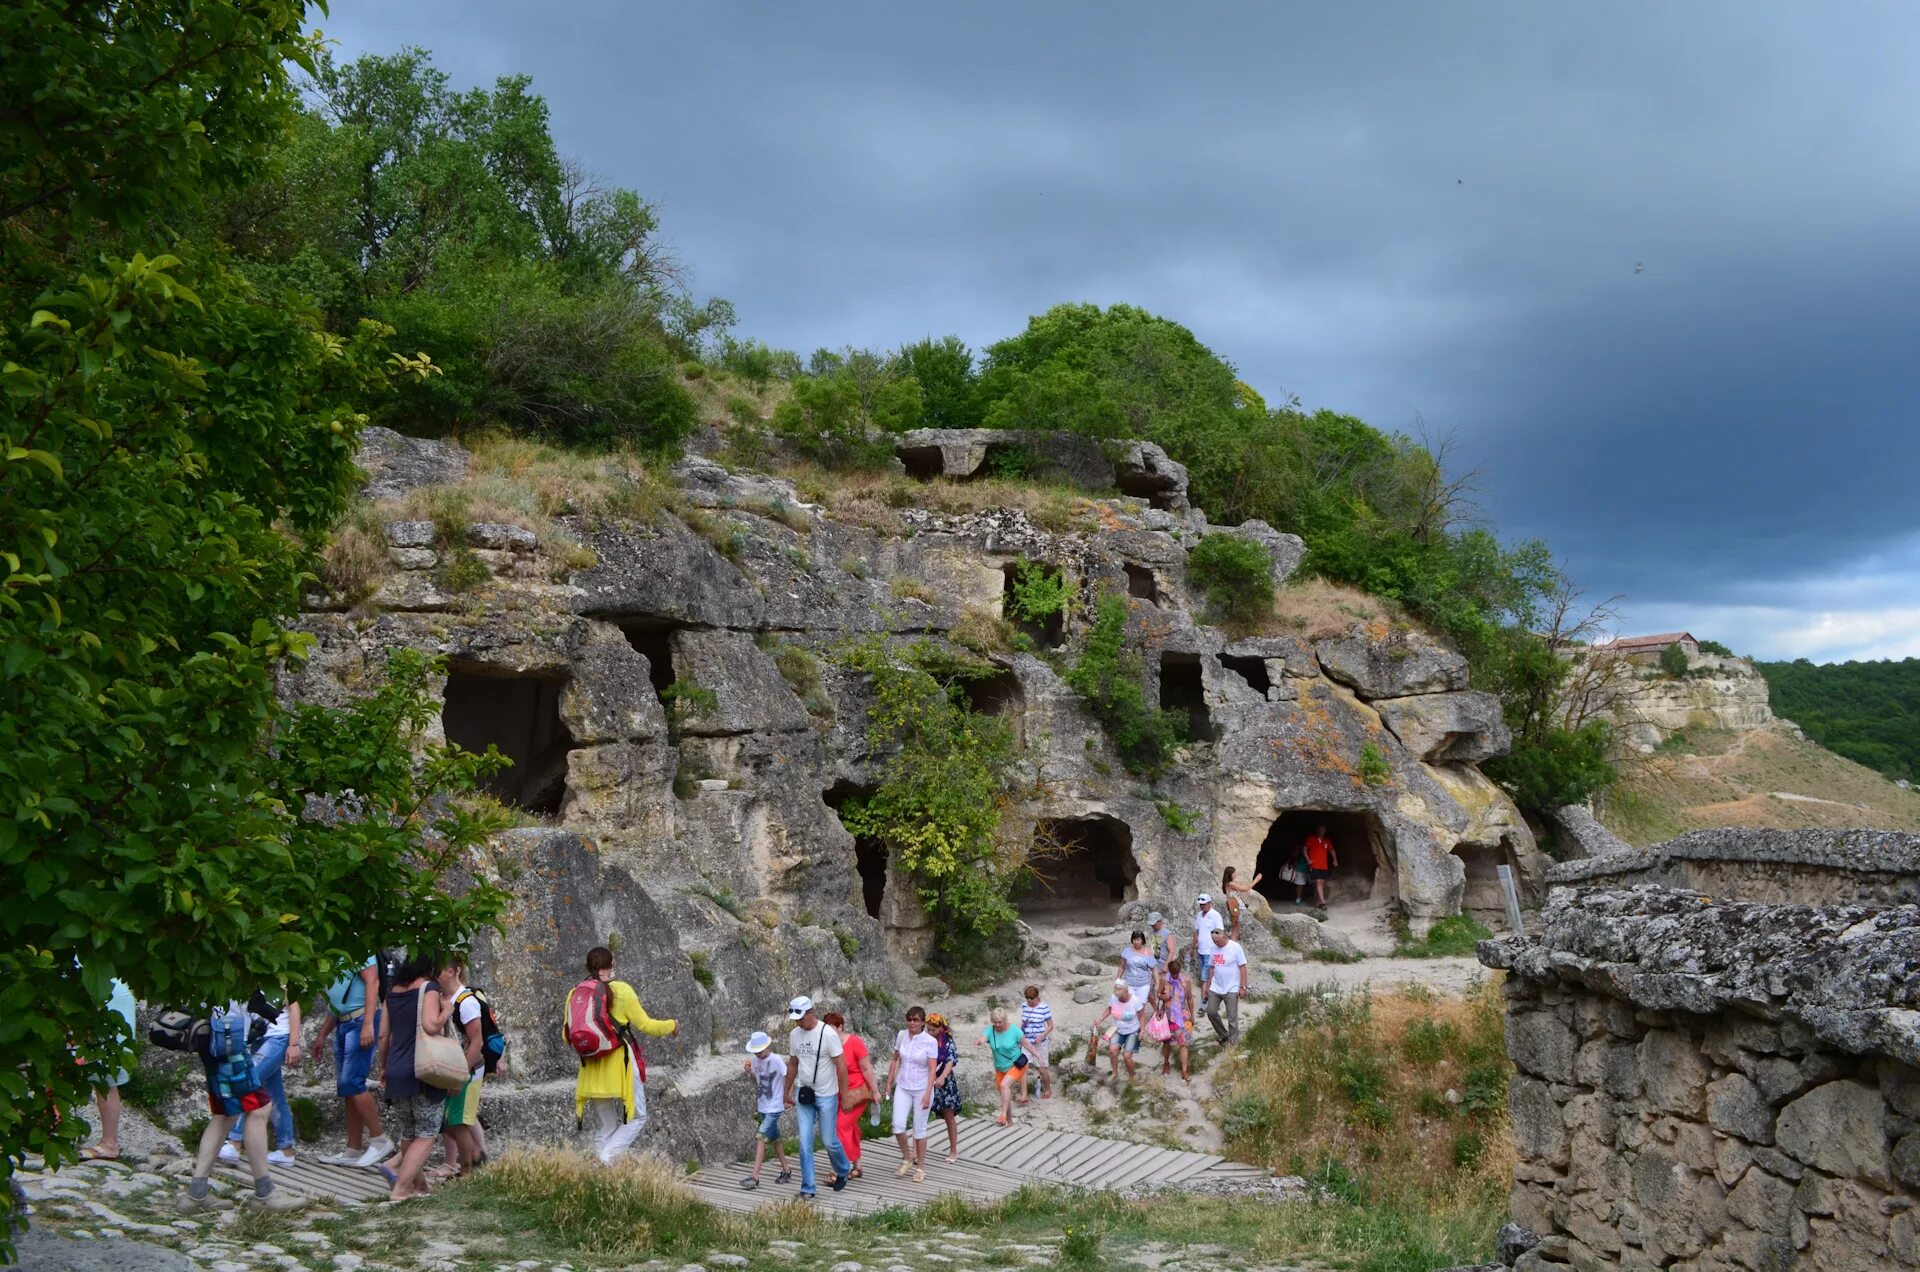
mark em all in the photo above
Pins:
pixel 1206 922
pixel 769 1073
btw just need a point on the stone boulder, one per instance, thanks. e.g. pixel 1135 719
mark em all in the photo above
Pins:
pixel 1577 826
pixel 395 463
pixel 1448 728
pixel 1823 867
pixel 1285 549
pixel 1305 934
pixel 1376 661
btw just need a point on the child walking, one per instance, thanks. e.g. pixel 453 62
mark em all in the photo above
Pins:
pixel 769 1073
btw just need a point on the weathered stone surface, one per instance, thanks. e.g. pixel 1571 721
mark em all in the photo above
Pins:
pixel 1823 867
pixel 1541 1045
pixel 411 534
pixel 395 464
pixel 1839 1128
pixel 40 1250
pixel 1448 728
pixel 501 537
pixel 1575 824
pixel 1735 1105
pixel 1384 662
pixel 1285 549
pixel 1669 950
pixel 1537 1129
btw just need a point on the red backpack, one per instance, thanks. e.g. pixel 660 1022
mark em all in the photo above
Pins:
pixel 590 1027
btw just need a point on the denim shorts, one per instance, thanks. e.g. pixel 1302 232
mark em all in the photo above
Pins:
pixel 1128 1042
pixel 353 1061
pixel 770 1127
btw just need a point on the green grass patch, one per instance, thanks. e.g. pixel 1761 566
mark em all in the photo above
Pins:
pixel 1452 937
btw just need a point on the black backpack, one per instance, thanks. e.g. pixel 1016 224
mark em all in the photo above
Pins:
pixel 174 1030
pixel 261 1013
pixel 493 1043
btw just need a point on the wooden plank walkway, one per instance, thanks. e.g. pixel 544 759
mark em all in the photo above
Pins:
pixel 313 1181
pixel 994 1161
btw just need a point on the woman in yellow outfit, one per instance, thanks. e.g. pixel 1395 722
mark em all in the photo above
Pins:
pixel 613 1086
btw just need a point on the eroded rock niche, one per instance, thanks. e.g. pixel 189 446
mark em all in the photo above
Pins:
pixel 1712 1083
pixel 1085 866
pixel 520 714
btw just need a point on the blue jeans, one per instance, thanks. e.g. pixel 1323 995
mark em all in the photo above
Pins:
pixel 823 1110
pixel 354 1062
pixel 267 1063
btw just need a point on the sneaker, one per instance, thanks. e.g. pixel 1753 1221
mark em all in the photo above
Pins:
pixel 228 1153
pixel 282 1157
pixel 378 1151
pixel 839 1183
pixel 347 1158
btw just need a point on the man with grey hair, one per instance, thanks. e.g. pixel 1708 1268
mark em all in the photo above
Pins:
pixel 1226 985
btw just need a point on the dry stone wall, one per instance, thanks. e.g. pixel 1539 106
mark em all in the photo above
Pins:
pixel 1712 1084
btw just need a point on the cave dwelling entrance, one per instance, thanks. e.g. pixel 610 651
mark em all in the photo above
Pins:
pixel 1365 869
pixel 1084 868
pixel 486 706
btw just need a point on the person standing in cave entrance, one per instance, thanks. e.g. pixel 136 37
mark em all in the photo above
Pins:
pixel 1321 860
pixel 1232 892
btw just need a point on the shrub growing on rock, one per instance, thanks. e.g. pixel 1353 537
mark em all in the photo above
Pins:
pixel 1234 574
pixel 1110 679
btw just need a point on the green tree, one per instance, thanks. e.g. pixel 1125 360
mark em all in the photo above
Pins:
pixel 451 216
pixel 937 805
pixel 1673 661
pixel 173 438
pixel 948 384
pixel 1109 677
pixel 1235 574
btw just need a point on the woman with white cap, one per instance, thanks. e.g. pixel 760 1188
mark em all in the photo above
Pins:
pixel 769 1073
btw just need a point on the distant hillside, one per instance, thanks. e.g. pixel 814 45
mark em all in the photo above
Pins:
pixel 1866 711
pixel 1763 777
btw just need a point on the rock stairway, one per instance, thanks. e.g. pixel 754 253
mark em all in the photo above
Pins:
pixel 994 1162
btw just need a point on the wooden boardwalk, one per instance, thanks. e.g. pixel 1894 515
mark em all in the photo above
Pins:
pixel 313 1181
pixel 994 1161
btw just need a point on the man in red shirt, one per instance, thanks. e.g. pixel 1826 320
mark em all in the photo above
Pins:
pixel 1321 859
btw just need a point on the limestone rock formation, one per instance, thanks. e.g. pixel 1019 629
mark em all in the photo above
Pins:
pixel 683 732
pixel 1647 706
pixel 1818 867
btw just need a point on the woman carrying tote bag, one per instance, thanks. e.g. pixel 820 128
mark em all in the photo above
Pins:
pixel 420 1064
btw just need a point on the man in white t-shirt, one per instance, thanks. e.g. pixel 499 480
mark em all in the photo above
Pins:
pixel 1206 921
pixel 814 1081
pixel 1226 984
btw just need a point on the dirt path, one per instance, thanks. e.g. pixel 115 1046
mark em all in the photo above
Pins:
pixel 1153 1108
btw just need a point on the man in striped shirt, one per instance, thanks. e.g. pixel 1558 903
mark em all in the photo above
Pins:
pixel 1036 1023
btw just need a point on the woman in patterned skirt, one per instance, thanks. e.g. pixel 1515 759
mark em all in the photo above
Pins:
pixel 946 1083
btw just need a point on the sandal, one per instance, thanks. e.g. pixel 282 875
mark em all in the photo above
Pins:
pixel 999 1119
pixel 784 1177
pixel 92 1153
pixel 906 1168
pixel 919 1174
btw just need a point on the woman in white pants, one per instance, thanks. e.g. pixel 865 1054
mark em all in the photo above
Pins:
pixel 910 1078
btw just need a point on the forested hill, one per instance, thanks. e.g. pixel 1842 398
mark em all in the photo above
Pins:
pixel 1866 711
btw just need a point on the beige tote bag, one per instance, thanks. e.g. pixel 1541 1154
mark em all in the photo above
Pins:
pixel 438 1061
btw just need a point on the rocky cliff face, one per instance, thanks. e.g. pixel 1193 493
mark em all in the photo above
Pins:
pixel 705 844
pixel 1717 693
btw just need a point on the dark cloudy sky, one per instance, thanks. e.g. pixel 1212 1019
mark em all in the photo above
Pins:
pixel 1384 209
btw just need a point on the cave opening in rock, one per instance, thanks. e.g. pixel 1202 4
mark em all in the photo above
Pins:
pixel 1250 669
pixel 997 694
pixel 869 854
pixel 654 639
pixel 923 463
pixel 1083 864
pixel 1484 900
pixel 1159 491
pixel 1050 630
pixel 1183 688
pixel 520 714
pixel 1359 845
pixel 1140 583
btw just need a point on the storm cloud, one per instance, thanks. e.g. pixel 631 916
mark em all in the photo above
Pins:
pixel 1395 211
